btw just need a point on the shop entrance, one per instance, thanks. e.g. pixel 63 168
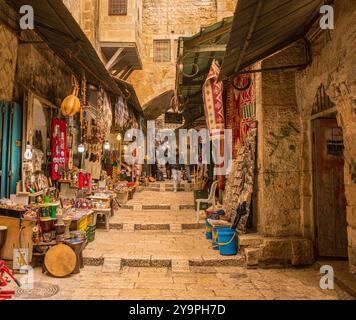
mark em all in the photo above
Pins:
pixel 329 189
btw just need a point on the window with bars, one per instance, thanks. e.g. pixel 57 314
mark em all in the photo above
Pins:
pixel 161 50
pixel 117 7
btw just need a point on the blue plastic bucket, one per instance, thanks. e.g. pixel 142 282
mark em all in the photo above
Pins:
pixel 215 238
pixel 208 230
pixel 227 241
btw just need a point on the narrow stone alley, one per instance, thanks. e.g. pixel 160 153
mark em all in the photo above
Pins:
pixel 158 253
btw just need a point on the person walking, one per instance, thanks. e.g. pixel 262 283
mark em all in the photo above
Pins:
pixel 176 173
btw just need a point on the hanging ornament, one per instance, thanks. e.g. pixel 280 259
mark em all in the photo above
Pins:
pixel 28 153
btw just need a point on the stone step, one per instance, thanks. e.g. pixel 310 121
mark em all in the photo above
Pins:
pixel 160 207
pixel 114 264
pixel 174 227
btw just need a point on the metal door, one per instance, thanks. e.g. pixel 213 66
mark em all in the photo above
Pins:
pixel 329 189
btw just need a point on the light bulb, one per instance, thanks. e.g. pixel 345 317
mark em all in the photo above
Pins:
pixel 106 145
pixel 125 148
pixel 28 153
pixel 118 138
pixel 81 148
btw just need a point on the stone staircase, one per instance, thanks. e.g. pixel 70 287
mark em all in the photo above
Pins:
pixel 167 186
pixel 156 230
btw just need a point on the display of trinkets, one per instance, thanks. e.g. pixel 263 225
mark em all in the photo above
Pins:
pixel 44 211
pixel 59 148
pixel 239 185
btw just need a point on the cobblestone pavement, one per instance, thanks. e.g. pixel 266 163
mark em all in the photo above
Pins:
pixel 206 283
pixel 174 274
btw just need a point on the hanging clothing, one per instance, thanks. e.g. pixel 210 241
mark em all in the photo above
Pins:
pixel 213 102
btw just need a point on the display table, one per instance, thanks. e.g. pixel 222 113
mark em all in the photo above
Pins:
pixel 102 202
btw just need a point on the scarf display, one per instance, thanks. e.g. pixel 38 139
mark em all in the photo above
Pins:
pixel 241 119
pixel 122 115
pixel 213 101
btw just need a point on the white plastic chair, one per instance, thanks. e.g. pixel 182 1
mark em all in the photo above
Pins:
pixel 210 200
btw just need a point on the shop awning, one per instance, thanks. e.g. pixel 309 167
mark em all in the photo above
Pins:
pixel 159 105
pixel 261 28
pixel 195 55
pixel 57 27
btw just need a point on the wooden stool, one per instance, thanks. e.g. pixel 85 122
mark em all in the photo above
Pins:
pixel 106 213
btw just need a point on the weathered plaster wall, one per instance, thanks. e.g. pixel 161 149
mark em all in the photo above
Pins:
pixel 8 55
pixel 279 149
pixel 170 19
pixel 334 65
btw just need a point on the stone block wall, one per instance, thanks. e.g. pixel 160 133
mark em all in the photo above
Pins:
pixel 120 28
pixel 86 13
pixel 170 19
pixel 226 8
pixel 334 66
pixel 40 70
pixel 279 149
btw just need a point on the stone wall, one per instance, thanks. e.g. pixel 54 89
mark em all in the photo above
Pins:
pixel 40 70
pixel 8 54
pixel 334 65
pixel 120 28
pixel 279 149
pixel 86 13
pixel 226 8
pixel 170 19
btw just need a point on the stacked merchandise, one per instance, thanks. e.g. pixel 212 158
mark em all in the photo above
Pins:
pixel 239 186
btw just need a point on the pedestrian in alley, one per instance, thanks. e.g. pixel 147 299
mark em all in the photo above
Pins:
pixel 176 172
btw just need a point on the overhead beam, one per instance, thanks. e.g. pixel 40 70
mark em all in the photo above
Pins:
pixel 126 76
pixel 125 71
pixel 114 59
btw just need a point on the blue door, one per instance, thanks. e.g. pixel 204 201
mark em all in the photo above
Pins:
pixel 11 136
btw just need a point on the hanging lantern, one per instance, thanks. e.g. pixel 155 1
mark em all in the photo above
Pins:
pixel 81 148
pixel 28 153
pixel 106 145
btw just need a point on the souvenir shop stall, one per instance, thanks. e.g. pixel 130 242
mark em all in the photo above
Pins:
pixel 225 222
pixel 69 181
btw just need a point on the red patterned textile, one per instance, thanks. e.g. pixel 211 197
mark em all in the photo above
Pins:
pixel 213 102
pixel 240 110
